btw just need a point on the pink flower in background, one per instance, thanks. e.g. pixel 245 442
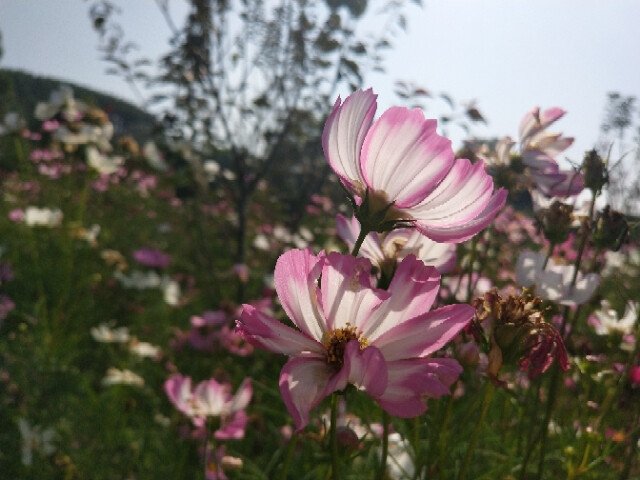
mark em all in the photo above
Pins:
pixel 151 257
pixel 401 160
pixel 539 150
pixel 351 333
pixel 397 244
pixel 210 399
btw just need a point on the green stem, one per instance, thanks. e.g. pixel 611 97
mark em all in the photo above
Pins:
pixel 486 401
pixel 363 234
pixel 385 446
pixel 333 438
pixel 291 448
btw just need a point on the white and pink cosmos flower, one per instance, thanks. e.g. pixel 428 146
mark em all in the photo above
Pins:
pixel 211 399
pixel 351 333
pixel 395 245
pixel 400 160
pixel 540 148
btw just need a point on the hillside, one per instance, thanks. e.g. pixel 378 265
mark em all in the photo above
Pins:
pixel 21 91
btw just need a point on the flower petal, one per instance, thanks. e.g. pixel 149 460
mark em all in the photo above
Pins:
pixel 367 368
pixel 260 330
pixel 295 277
pixel 404 157
pixel 425 334
pixel 460 233
pixel 343 136
pixel 412 291
pixel 304 382
pixel 410 381
pixel 346 294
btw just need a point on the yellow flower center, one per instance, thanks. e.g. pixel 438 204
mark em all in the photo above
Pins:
pixel 335 341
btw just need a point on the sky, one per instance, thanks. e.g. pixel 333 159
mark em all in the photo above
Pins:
pixel 507 55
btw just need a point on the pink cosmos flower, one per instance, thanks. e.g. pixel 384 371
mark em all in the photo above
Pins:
pixel 401 163
pixel 210 399
pixel 152 257
pixel 351 333
pixel 397 244
pixel 539 150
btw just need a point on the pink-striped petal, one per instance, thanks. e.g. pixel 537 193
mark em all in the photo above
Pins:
pixel 367 368
pixel 346 294
pixel 423 335
pixel 461 233
pixel 242 397
pixel 304 382
pixel 459 198
pixel 260 330
pixel 412 291
pixel 412 381
pixel 343 136
pixel 295 278
pixel 404 157
pixel 535 121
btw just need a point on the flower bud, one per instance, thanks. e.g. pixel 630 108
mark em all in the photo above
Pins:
pixel 595 171
pixel 555 222
pixel 347 439
pixel 611 229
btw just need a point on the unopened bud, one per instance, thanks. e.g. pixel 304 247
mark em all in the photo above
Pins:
pixel 555 222
pixel 611 229
pixel 347 439
pixel 595 171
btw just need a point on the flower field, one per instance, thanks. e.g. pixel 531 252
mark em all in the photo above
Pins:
pixel 415 323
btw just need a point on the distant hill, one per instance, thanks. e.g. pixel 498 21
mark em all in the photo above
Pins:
pixel 21 91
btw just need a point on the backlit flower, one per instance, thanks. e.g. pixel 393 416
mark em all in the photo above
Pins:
pixel 554 282
pixel 400 169
pixel 351 333
pixel 382 248
pixel 540 148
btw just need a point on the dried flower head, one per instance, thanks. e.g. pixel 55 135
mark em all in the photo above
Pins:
pixel 519 333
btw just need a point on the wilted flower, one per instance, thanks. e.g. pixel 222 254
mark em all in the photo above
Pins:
pixel 401 172
pixel 351 333
pixel 555 282
pixel 518 332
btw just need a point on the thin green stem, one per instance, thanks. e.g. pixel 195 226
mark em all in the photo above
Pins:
pixel 489 388
pixel 385 446
pixel 333 438
pixel 291 448
pixel 356 248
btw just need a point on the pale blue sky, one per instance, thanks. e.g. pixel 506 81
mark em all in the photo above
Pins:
pixel 509 55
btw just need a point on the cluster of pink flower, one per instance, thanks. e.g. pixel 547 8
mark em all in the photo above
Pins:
pixel 411 197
